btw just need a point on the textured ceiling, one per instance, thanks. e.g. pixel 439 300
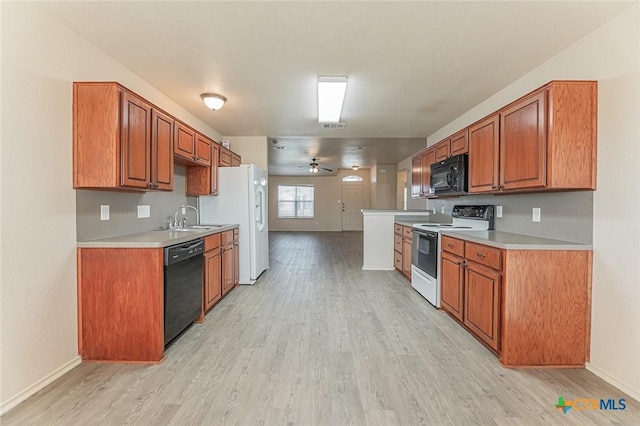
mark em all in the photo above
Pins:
pixel 412 66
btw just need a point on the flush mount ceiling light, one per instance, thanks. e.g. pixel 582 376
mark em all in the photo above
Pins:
pixel 213 100
pixel 354 167
pixel 331 91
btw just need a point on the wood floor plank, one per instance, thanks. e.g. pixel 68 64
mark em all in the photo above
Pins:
pixel 318 341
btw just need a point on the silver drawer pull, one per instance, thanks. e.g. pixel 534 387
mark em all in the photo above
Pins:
pixel 449 245
pixel 480 255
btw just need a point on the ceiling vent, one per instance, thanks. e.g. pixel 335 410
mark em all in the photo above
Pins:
pixel 336 126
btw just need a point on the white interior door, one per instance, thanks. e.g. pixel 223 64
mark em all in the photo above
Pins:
pixel 352 205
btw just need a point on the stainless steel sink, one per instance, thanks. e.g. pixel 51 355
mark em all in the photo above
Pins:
pixel 197 228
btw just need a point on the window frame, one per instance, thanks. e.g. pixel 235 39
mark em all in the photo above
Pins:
pixel 297 202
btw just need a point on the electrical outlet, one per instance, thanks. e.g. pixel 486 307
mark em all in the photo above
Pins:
pixel 498 211
pixel 184 210
pixel 104 212
pixel 144 211
pixel 535 215
pixel 434 209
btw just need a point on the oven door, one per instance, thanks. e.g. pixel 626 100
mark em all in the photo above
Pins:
pixel 424 252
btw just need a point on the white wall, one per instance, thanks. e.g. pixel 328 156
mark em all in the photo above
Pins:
pixel 328 201
pixel 40 60
pixel 252 149
pixel 611 55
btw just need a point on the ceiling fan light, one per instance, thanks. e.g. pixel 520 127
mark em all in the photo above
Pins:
pixel 331 91
pixel 355 167
pixel 213 100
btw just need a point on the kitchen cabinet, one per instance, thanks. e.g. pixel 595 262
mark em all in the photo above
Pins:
pixel 212 288
pixel 421 173
pixel 545 140
pixel 204 180
pixel 236 256
pixel 228 262
pixel 512 305
pixel 235 159
pixel 121 304
pixel 190 147
pixel 120 141
pixel 402 249
pixel 453 145
pixel 226 157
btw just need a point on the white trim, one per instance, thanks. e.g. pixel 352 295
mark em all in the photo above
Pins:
pixel 366 268
pixel 615 382
pixel 39 385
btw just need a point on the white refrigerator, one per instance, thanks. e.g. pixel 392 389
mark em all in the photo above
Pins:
pixel 242 199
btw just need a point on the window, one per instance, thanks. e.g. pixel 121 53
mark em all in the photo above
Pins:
pixel 295 201
pixel 352 178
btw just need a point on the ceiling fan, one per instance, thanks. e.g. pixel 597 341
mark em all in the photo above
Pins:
pixel 314 167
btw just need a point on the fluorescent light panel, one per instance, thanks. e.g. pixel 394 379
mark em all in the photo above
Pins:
pixel 331 91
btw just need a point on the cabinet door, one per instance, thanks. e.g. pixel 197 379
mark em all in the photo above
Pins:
pixel 213 278
pixel 482 303
pixel 428 158
pixel 451 281
pixel 215 159
pixel 406 257
pixel 460 143
pixel 236 263
pixel 416 176
pixel 161 151
pixel 184 141
pixel 135 142
pixel 235 159
pixel 443 149
pixel 484 155
pixel 523 143
pixel 203 150
pixel 225 157
pixel 227 268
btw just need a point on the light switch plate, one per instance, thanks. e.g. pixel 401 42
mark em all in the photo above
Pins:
pixel 535 215
pixel 104 212
pixel 498 211
pixel 442 209
pixel 144 211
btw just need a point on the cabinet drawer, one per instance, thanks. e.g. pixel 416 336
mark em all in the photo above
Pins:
pixel 407 232
pixel 397 229
pixel 397 260
pixel 211 242
pixel 397 243
pixel 227 237
pixel 453 245
pixel 484 255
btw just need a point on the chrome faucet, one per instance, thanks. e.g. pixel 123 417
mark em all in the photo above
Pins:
pixel 177 224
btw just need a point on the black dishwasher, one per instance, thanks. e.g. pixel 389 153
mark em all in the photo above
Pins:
pixel 183 265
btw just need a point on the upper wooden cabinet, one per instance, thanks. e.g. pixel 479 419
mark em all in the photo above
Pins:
pixel 545 140
pixel 443 149
pixel 421 173
pixel 225 157
pixel 204 180
pixel 120 141
pixel 191 148
pixel 459 143
pixel 235 159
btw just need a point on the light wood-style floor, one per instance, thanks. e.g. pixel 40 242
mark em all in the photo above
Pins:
pixel 318 341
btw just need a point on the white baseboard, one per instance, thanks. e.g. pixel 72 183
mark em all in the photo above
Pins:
pixel 635 394
pixel 367 268
pixel 40 384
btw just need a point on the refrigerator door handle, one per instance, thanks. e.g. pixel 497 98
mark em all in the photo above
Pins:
pixel 260 208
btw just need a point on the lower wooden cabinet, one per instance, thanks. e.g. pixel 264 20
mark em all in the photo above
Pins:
pixel 212 286
pixel 482 303
pixel 451 283
pixel 531 307
pixel 228 275
pixel 402 249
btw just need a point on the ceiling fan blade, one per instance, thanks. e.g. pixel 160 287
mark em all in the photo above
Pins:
pixel 324 168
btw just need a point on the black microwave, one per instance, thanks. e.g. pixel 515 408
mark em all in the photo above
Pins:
pixel 449 177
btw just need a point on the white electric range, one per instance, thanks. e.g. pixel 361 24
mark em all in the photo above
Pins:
pixel 426 246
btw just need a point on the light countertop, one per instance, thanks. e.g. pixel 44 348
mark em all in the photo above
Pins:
pixel 395 213
pixel 509 241
pixel 154 239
